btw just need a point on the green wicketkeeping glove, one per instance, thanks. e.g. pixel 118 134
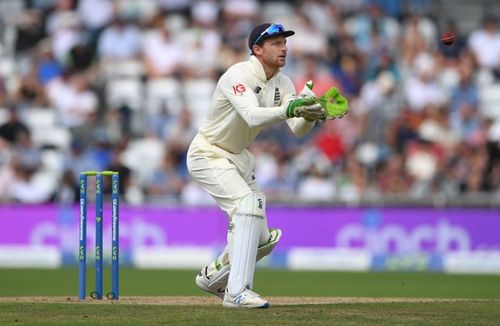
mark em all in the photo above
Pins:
pixel 306 107
pixel 335 105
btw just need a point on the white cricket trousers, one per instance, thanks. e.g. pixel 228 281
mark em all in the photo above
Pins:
pixel 227 177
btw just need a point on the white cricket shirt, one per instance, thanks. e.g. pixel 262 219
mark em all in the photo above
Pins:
pixel 244 102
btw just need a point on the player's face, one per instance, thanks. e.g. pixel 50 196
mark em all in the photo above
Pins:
pixel 274 51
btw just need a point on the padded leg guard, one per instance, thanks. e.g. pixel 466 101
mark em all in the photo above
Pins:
pixel 267 248
pixel 248 223
pixel 217 282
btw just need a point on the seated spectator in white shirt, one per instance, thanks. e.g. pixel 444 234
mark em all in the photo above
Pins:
pixel 120 40
pixel 422 89
pixel 95 14
pixel 162 54
pixel 74 100
pixel 316 186
pixel 485 44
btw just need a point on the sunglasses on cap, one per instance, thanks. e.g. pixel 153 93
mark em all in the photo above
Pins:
pixel 271 30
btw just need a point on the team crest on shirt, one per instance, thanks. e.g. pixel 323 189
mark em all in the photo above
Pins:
pixel 239 89
pixel 277 96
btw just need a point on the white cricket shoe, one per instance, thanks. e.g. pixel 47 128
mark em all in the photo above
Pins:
pixel 246 299
pixel 216 288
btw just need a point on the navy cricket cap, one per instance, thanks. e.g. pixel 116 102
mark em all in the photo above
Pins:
pixel 264 31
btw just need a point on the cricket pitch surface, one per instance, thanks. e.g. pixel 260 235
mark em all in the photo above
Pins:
pixel 208 301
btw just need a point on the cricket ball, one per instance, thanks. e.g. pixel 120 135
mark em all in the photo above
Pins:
pixel 448 38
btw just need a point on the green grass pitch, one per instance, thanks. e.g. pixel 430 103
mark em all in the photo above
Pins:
pixel 376 298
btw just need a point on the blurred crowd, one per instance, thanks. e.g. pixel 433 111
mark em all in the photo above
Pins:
pixel 124 84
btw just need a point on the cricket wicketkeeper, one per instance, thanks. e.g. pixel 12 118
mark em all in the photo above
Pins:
pixel 251 95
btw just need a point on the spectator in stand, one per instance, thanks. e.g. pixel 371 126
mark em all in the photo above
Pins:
pixel 119 41
pixel 62 13
pixel 165 184
pixel 493 176
pixel 74 99
pixel 30 92
pixel 324 16
pixel 380 58
pixel 46 64
pixel 162 53
pixel 423 158
pixel 349 74
pixel 181 130
pixel 266 160
pixel 422 28
pixel 30 184
pixel 282 184
pixel 312 68
pixel 201 46
pixel 206 12
pixel 175 6
pixel 329 142
pixel 65 38
pixel 422 88
pixel 403 130
pixel 378 106
pixel 353 183
pixel 64 29
pixel 474 180
pixel 95 15
pixel 79 159
pixel 314 184
pixel 11 131
pixel 243 10
pixel 463 115
pixel 128 185
pixel 435 125
pixel 493 148
pixel 310 40
pixel 485 44
pixel 372 22
pixel 201 43
pixel 392 176
pixel 4 96
pixel 80 57
pixel 68 192
pixel 29 154
pixel 448 178
pixel 162 122
pixel 8 174
pixel 29 31
pixel 7 167
pixel 413 42
pixel 345 64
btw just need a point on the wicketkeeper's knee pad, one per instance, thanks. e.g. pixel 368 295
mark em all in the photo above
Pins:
pixel 251 204
pixel 254 204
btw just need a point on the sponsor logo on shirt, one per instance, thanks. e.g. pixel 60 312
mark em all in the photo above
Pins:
pixel 277 96
pixel 239 89
pixel 257 89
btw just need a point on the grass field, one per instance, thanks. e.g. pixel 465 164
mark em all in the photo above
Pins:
pixel 48 297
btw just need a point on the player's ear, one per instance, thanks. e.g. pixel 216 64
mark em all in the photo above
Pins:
pixel 257 49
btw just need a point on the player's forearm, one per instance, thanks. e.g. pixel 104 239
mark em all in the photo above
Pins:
pixel 300 127
pixel 263 116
